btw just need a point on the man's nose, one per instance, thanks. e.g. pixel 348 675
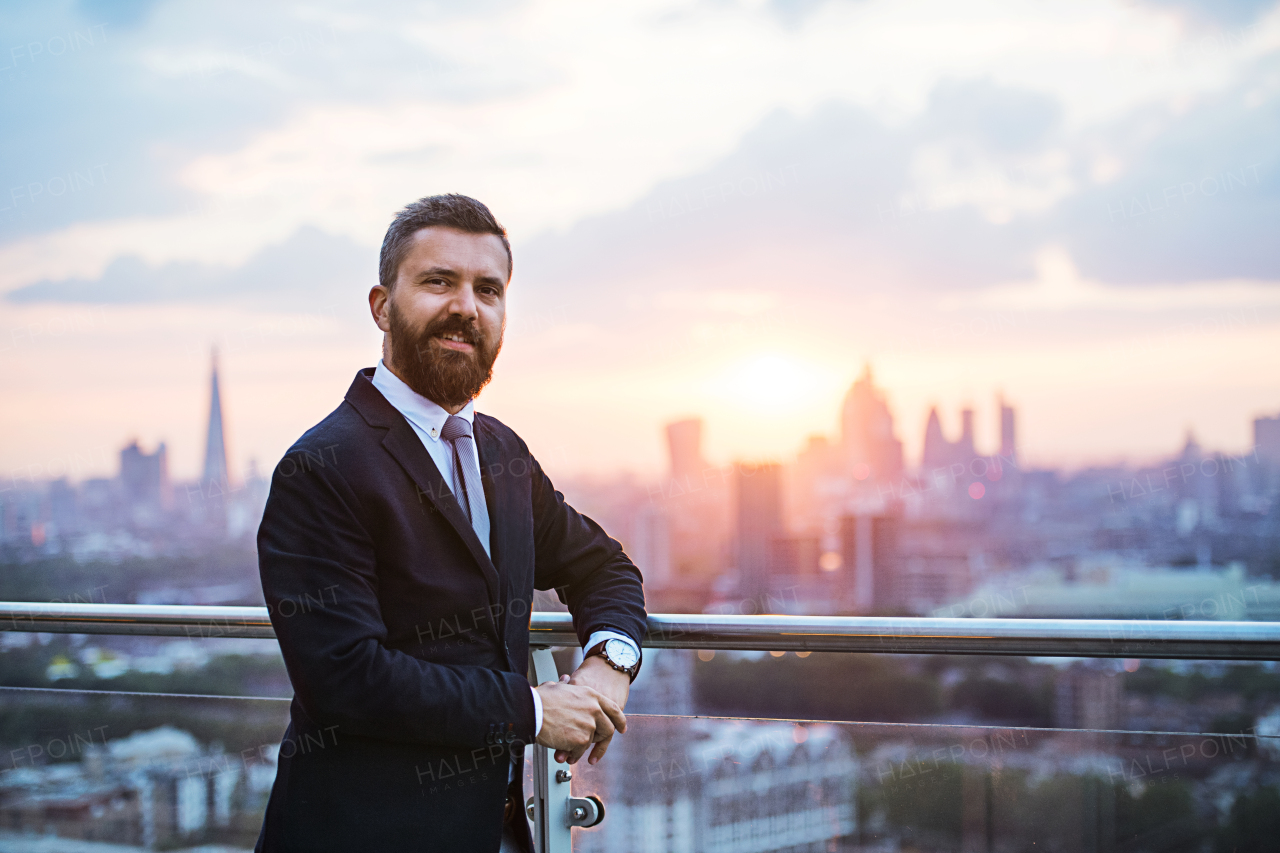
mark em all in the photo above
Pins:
pixel 464 303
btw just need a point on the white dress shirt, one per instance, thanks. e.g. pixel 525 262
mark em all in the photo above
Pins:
pixel 427 419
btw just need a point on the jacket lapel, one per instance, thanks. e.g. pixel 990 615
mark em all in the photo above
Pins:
pixel 406 448
pixel 403 444
pixel 495 490
pixel 500 496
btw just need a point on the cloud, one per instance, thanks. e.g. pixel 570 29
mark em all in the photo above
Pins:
pixel 324 116
pixel 308 272
pixel 1196 198
pixel 1223 12
pixel 1058 286
pixel 122 13
pixel 963 196
pixel 996 118
pixel 792 13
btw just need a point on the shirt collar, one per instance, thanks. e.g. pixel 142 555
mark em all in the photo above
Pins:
pixel 426 415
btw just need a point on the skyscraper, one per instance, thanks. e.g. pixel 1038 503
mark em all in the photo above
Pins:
pixel 1266 446
pixel 1008 431
pixel 866 433
pixel 966 448
pixel 215 452
pixel 650 545
pixel 695 510
pixel 870 565
pixel 941 453
pixel 938 452
pixel 145 476
pixel 684 447
pixel 758 493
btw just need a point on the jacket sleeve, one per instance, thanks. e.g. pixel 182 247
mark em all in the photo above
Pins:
pixel 312 547
pixel 588 569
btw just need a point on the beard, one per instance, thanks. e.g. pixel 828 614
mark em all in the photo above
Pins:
pixel 444 376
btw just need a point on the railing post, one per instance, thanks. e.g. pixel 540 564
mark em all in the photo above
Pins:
pixel 551 785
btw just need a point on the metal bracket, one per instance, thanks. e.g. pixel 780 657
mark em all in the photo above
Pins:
pixel 551 786
pixel 585 811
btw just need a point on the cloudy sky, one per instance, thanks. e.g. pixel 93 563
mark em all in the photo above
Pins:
pixel 717 208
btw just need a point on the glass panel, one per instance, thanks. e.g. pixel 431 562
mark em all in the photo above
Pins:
pixel 722 784
pixel 179 771
pixel 145 771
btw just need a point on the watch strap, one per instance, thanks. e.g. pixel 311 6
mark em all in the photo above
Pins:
pixel 598 651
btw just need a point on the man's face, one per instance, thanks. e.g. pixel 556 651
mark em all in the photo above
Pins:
pixel 445 316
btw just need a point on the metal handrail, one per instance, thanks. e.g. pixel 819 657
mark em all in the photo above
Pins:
pixel 1102 638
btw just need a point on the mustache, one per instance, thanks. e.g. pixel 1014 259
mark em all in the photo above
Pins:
pixel 451 324
pixel 455 325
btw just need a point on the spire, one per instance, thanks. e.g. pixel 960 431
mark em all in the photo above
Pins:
pixel 937 450
pixel 215 453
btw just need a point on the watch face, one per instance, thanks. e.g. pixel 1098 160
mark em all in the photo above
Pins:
pixel 621 653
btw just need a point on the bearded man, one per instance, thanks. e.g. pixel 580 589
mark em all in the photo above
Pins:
pixel 399 552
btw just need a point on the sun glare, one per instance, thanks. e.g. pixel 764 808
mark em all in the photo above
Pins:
pixel 770 381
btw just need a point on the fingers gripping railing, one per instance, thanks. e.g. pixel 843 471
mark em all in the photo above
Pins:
pixel 553 808
pixel 551 789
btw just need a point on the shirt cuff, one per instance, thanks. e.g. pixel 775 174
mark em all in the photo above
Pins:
pixel 537 711
pixel 601 636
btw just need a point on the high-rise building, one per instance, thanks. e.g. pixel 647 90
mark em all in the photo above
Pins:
pixel 684 448
pixel 650 545
pixel 795 556
pixel 691 514
pixel 941 453
pixel 1008 432
pixel 866 433
pixel 758 494
pixel 869 560
pixel 966 448
pixel 953 464
pixel 1266 443
pixel 937 450
pixel 216 473
pixel 144 477
pixel 1266 436
pixel 819 483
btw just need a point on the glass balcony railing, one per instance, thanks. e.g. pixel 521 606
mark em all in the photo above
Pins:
pixel 725 751
pixel 724 785
pixel 146 771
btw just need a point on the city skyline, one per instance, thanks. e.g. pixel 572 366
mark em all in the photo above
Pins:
pixel 906 352
pixel 209 455
pixel 971 221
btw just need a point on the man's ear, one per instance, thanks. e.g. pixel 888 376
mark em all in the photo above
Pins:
pixel 379 306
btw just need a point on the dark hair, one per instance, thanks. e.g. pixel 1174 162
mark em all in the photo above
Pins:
pixel 447 211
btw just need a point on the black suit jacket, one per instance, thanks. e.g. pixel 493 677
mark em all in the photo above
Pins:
pixel 407 646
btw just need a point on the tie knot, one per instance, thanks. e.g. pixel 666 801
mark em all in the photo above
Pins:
pixel 455 428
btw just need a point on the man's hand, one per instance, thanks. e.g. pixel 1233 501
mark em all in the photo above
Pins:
pixel 576 716
pixel 595 673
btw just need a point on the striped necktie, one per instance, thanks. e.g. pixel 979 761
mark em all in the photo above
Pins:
pixel 467 487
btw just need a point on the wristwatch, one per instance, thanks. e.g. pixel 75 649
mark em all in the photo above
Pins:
pixel 621 656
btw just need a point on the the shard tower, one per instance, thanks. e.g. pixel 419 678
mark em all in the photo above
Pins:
pixel 214 478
